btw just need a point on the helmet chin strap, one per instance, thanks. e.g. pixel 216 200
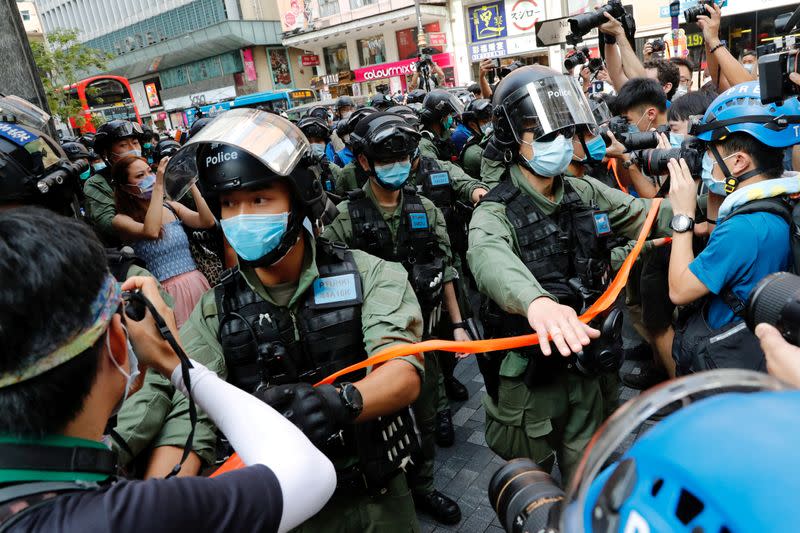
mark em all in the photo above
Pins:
pixel 731 181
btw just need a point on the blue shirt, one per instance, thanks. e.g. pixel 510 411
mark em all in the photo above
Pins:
pixel 343 157
pixel 460 136
pixel 740 253
pixel 330 152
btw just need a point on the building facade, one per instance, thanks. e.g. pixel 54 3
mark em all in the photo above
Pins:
pixel 31 21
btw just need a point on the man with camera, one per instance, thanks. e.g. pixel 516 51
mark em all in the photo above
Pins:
pixel 743 171
pixel 427 75
pixel 531 243
pixel 73 352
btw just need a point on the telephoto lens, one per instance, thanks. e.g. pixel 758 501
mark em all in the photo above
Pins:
pixel 640 140
pixel 525 497
pixel 578 58
pixel 580 25
pixel 776 301
pixel 692 13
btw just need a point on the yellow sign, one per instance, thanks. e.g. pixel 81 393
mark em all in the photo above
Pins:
pixel 301 94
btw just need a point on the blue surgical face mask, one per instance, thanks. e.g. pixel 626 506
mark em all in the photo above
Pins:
pixel 551 159
pixel 676 139
pixel 99 166
pixel 448 122
pixel 318 149
pixel 487 129
pixel 597 148
pixel 85 174
pixel 254 236
pixel 131 375
pixel 146 186
pixel 394 175
pixel 714 186
pixel 147 145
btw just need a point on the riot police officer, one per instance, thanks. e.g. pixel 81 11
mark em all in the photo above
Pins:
pixel 477 117
pixel 298 309
pixel 394 222
pixel 113 141
pixel 33 167
pixel 352 176
pixel 344 107
pixel 382 101
pixel 538 252
pixel 440 110
pixel 319 134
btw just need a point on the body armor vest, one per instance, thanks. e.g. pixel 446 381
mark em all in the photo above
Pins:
pixel 259 340
pixel 261 348
pixel 436 184
pixel 415 246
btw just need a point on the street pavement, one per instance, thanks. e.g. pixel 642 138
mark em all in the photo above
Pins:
pixel 463 471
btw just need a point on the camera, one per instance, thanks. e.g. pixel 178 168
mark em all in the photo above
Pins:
pixel 776 301
pixel 773 76
pixel 653 162
pixel 641 140
pixel 525 497
pixel 595 65
pixel 582 24
pixel 658 45
pixel 693 12
pixel 617 125
pixel 578 58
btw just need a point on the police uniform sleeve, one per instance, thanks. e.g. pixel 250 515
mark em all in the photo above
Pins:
pixel 427 148
pixel 442 237
pixel 625 213
pixel 491 171
pixel 341 229
pixel 390 313
pixel 199 338
pixel 463 185
pixel 100 206
pixel 472 162
pixel 498 271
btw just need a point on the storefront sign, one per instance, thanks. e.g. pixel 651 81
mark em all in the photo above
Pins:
pixel 437 39
pixel 487 21
pixel 399 68
pixel 309 60
pixel 478 52
pixel 522 15
pixel 249 65
pixel 161 116
pixel 331 79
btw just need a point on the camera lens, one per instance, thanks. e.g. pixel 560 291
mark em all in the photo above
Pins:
pixel 640 140
pixel 692 13
pixel 524 496
pixel 654 162
pixel 776 301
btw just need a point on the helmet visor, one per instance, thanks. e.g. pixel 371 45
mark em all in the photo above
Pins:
pixel 600 111
pixel 273 140
pixel 25 112
pixel 547 105
pixel 125 128
pixel 392 141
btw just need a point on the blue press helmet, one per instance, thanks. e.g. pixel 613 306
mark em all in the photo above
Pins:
pixel 739 109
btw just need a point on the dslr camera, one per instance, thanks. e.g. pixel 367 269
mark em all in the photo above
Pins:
pixel 693 12
pixel 582 24
pixel 617 125
pixel 580 57
pixel 653 162
pixel 774 68
pixel 776 301
pixel 642 140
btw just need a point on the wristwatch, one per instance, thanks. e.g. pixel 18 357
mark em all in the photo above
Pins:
pixel 681 223
pixel 351 398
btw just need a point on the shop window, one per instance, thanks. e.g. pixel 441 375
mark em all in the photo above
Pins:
pixel 355 4
pixel 328 8
pixel 371 51
pixel 336 59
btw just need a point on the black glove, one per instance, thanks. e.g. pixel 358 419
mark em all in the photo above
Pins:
pixel 319 412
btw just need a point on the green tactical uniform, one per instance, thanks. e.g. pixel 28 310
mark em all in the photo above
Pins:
pixel 390 315
pixel 427 405
pixel 348 178
pixel 427 148
pixel 472 160
pixel 100 208
pixel 492 171
pixel 559 415
pixel 463 185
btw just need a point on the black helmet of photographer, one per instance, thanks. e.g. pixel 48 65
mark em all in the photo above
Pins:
pixel 76 151
pixel 382 102
pixel 314 128
pixel 114 131
pixel 438 104
pixel 198 125
pixel 166 148
pixel 417 96
pixel 411 117
pixel 477 110
pixel 346 127
pixel 384 137
pixel 520 96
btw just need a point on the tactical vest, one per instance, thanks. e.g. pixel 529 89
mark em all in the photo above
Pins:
pixel 415 246
pixel 326 177
pixel 566 252
pixel 261 347
pixel 436 184
pixel 259 340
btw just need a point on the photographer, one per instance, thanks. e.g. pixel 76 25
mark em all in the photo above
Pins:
pixel 725 69
pixel 432 75
pixel 68 362
pixel 667 75
pixel 621 59
pixel 743 161
pixel 685 71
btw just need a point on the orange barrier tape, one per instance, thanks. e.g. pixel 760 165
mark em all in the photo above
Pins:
pixel 603 303
pixel 612 165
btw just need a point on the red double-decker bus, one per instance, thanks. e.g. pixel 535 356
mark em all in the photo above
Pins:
pixel 106 97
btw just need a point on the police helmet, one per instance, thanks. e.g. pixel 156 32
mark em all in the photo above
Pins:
pixel 381 101
pixel 411 117
pixel 438 104
pixel 384 136
pixel 166 148
pixel 346 127
pixel 344 101
pixel 87 139
pixel 417 96
pixel 314 127
pixel 739 110
pixel 477 110
pixel 198 125
pixel 539 100
pixel 321 112
pixel 113 131
pixel 75 151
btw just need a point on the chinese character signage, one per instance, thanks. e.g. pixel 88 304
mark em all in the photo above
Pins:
pixel 523 15
pixel 309 60
pixel 487 21
pixel 477 52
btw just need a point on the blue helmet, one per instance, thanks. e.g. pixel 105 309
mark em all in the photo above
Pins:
pixel 739 109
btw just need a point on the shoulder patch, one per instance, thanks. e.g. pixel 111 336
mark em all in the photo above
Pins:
pixel 336 289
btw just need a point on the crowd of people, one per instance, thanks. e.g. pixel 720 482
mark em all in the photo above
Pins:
pixel 223 279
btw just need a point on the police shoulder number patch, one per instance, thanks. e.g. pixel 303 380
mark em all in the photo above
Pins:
pixel 439 179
